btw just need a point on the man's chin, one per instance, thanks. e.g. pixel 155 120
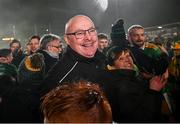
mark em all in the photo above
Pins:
pixel 89 55
pixel 139 44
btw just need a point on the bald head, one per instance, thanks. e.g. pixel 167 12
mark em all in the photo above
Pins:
pixel 72 23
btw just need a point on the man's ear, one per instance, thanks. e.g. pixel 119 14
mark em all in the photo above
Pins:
pixel 128 37
pixel 66 39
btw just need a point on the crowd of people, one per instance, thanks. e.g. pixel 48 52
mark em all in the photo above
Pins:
pixel 95 79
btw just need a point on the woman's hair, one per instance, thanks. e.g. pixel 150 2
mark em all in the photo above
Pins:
pixel 82 98
pixel 114 53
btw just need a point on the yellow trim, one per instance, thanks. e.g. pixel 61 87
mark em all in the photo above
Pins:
pixel 150 45
pixel 110 67
pixel 29 66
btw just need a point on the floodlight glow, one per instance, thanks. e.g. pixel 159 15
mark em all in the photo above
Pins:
pixel 103 4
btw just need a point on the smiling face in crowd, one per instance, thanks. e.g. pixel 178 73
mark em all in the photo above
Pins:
pixel 81 36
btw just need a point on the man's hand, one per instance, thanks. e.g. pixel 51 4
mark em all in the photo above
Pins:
pixel 157 83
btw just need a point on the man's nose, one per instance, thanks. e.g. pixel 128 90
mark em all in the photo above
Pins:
pixel 87 35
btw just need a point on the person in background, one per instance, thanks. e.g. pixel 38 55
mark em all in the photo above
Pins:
pixel 6 68
pixel 50 47
pixel 27 50
pixel 132 98
pixel 17 52
pixel 158 52
pixel 15 103
pixel 78 102
pixel 103 42
pixel 32 69
pixel 136 36
pixel 31 73
pixel 150 61
pixel 34 43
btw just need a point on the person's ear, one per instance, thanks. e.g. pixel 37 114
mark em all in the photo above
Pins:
pixel 128 37
pixel 66 39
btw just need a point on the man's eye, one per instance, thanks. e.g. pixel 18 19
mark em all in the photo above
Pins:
pixel 79 33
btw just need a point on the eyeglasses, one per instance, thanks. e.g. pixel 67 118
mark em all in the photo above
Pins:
pixel 80 34
pixel 58 47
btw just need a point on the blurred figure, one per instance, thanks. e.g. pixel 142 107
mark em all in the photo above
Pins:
pixel 103 42
pixel 15 45
pixel 79 102
pixel 136 44
pixel 30 76
pixel 157 56
pixel 15 103
pixel 132 98
pixel 34 43
pixel 169 47
pixel 31 69
pixel 151 60
pixel 6 68
pixel 17 52
pixel 27 50
pixel 174 70
pixel 50 47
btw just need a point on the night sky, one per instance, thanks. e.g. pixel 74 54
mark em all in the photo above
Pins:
pixel 35 16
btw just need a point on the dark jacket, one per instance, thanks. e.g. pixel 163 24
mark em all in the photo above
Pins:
pixel 18 56
pixel 16 104
pixel 9 70
pixel 130 98
pixel 73 67
pixel 145 63
pixel 48 60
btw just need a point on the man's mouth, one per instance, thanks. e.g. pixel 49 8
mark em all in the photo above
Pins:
pixel 88 45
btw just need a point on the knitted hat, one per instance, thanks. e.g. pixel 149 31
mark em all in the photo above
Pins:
pixel 32 68
pixel 34 62
pixel 118 35
pixel 4 52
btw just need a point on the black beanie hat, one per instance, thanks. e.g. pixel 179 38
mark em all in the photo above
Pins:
pixel 118 35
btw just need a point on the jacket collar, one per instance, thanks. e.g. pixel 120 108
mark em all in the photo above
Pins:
pixel 77 57
pixel 123 72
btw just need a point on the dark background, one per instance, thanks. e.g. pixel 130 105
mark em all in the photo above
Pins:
pixel 24 18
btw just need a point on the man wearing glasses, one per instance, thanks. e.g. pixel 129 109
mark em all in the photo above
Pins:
pixel 50 47
pixel 82 60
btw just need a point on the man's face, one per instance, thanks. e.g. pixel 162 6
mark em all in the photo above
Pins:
pixel 124 61
pixel 14 46
pixel 54 47
pixel 137 37
pixel 102 43
pixel 86 45
pixel 34 43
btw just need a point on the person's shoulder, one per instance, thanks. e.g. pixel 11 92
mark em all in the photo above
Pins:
pixel 100 54
pixel 150 45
